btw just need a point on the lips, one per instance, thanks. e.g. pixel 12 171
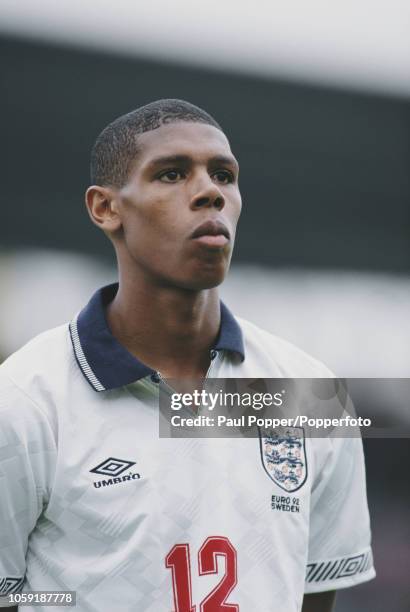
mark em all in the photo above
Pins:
pixel 211 228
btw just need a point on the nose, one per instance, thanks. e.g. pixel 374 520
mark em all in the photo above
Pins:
pixel 208 195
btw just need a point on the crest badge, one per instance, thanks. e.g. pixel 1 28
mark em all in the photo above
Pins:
pixel 283 456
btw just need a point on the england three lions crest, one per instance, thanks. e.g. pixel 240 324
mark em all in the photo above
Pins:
pixel 284 456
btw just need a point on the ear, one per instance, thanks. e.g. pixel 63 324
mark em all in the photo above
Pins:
pixel 103 208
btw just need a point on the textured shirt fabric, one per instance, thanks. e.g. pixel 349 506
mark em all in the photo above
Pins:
pixel 93 501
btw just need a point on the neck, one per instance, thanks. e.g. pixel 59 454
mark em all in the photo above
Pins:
pixel 167 328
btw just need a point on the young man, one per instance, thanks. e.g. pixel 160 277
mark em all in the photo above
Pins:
pixel 92 500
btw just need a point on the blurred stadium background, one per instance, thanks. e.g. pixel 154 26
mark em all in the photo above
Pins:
pixel 315 99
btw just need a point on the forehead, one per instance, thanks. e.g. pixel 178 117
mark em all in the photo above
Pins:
pixel 196 140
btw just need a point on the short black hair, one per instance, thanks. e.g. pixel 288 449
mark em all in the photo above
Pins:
pixel 116 147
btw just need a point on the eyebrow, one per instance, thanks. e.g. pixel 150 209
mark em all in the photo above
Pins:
pixel 225 160
pixel 186 159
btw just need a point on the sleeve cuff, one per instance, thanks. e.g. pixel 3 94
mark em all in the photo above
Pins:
pixel 10 584
pixel 340 572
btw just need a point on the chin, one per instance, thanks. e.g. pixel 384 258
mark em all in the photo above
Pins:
pixel 204 279
pixel 198 284
pixel 195 275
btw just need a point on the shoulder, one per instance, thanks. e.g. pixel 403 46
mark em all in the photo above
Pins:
pixel 273 353
pixel 39 369
pixel 40 356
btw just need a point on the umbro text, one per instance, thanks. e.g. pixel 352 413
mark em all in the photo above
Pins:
pixel 112 481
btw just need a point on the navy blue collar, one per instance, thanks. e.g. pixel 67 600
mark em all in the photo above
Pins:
pixel 106 364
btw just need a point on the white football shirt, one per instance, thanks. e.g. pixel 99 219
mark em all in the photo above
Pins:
pixel 93 501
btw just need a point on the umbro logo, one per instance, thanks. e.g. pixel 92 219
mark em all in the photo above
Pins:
pixel 112 467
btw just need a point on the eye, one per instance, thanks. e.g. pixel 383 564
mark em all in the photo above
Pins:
pixel 170 176
pixel 223 176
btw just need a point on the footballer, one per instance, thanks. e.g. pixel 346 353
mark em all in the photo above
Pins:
pixel 92 500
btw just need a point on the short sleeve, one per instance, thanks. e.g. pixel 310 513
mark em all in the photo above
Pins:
pixel 339 554
pixel 27 453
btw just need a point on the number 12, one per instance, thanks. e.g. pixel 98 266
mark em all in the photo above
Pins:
pixel 178 560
